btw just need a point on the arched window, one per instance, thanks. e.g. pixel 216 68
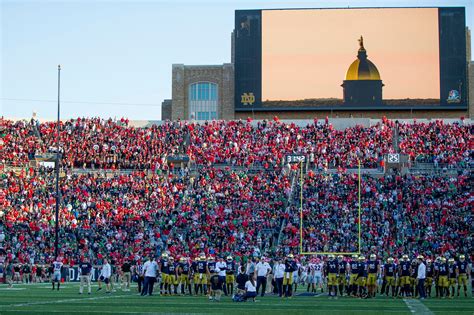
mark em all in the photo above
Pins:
pixel 203 101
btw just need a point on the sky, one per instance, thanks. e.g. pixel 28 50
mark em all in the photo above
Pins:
pixel 313 50
pixel 116 56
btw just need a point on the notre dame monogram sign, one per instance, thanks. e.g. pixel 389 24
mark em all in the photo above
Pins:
pixel 247 99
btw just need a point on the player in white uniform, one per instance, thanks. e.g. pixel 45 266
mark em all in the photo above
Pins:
pixel 318 274
pixel 296 276
pixel 310 278
pixel 304 273
pixel 57 266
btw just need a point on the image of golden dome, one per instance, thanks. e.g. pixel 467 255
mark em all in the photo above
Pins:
pixel 363 85
pixel 362 68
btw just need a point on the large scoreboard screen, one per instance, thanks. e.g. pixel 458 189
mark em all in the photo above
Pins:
pixel 350 59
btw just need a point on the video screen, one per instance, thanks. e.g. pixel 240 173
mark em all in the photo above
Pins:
pixel 350 58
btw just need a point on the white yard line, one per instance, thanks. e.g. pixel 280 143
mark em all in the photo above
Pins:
pixel 417 307
pixel 63 301
pixel 243 309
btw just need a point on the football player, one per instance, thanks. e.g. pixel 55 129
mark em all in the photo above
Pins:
pixel 332 268
pixel 436 265
pixel 290 267
pixel 462 272
pixel 57 266
pixel 373 272
pixel 354 271
pixel 362 277
pixel 210 271
pixel 452 277
pixel 429 277
pixel 172 278
pixel 318 274
pixel 390 273
pixel 413 277
pixel 184 275
pixel 443 278
pixel 310 277
pixel 164 266
pixel 201 274
pixel 341 276
pixel 230 275
pixel 195 274
pixel 404 274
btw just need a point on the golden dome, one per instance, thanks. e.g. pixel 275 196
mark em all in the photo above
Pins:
pixel 362 68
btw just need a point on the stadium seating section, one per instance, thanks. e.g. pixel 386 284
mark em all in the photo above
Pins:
pixel 237 196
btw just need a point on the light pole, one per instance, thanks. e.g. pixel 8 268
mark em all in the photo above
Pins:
pixel 58 198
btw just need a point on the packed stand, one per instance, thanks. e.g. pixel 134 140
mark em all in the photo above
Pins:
pixel 399 214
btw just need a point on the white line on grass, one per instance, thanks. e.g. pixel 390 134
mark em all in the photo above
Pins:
pixel 63 301
pixel 167 311
pixel 417 307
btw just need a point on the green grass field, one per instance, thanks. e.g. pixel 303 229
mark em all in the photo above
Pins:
pixel 40 299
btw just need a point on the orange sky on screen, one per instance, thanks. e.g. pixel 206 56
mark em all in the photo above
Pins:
pixel 306 53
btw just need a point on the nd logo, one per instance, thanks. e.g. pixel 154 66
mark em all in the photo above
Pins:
pixel 247 99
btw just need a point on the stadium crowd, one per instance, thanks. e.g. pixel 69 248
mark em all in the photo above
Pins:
pixel 231 209
pixel 422 214
pixel 99 143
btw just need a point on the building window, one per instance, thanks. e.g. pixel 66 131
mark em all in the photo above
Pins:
pixel 203 101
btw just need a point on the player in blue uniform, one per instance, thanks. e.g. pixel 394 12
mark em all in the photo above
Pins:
pixel 200 277
pixel 436 275
pixel 462 272
pixel 230 275
pixel 332 269
pixel 373 269
pixel 443 278
pixel 341 276
pixel 429 277
pixel 290 267
pixel 404 274
pixel 354 271
pixel 390 274
pixel 164 263
pixel 172 278
pixel 362 277
pixel 452 276
pixel 184 272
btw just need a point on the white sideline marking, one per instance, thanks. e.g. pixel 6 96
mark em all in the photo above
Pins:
pixel 63 301
pixel 417 307
pixel 172 313
pixel 12 289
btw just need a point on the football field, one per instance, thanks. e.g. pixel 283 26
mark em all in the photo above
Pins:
pixel 40 299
